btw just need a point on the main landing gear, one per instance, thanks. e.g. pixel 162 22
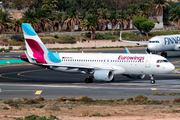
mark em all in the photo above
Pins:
pixel 89 80
pixel 164 54
pixel 152 79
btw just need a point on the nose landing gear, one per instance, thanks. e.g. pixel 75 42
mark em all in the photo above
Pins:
pixel 164 54
pixel 152 79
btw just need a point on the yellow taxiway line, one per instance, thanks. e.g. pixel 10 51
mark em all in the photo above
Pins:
pixel 38 92
pixel 153 89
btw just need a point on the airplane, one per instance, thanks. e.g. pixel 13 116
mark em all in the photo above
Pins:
pixel 100 66
pixel 160 44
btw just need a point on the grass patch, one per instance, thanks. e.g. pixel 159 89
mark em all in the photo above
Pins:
pixel 36 117
pixel 162 94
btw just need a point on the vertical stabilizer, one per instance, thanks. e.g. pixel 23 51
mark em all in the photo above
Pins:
pixel 35 47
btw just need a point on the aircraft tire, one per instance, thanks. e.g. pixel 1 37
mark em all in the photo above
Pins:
pixel 164 54
pixel 88 80
pixel 152 81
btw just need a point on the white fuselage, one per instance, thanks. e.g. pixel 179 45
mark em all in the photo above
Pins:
pixel 164 43
pixel 119 63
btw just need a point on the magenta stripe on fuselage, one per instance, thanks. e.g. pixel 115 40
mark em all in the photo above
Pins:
pixel 38 52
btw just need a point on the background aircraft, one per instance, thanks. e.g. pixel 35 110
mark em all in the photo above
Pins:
pixel 160 44
pixel 100 66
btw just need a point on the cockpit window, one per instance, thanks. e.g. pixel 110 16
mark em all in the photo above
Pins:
pixel 165 61
pixel 153 41
pixel 162 61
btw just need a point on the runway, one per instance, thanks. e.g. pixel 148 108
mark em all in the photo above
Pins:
pixel 26 80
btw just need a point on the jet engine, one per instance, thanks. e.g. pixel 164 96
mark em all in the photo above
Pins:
pixel 104 75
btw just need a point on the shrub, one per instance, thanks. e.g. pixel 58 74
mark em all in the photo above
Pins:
pixel 5 108
pixel 96 114
pixel 120 99
pixel 40 106
pixel 9 101
pixel 99 36
pixel 67 37
pixel 172 93
pixel 86 99
pixel 39 98
pixel 10 48
pixel 53 107
pixel 63 98
pixel 30 101
pixel 36 117
pixel 6 50
pixel 176 100
pixel 88 34
pixel 129 99
pixel 140 98
pixel 32 117
pixel 159 94
pixel 56 36
pixel 5 40
pixel 72 99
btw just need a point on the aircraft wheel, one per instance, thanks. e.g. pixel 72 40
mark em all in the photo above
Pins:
pixel 164 54
pixel 88 80
pixel 152 81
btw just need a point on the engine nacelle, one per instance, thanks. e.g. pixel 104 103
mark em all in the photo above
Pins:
pixel 104 75
pixel 135 76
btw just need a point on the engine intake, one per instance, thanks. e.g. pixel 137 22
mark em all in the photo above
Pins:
pixel 104 75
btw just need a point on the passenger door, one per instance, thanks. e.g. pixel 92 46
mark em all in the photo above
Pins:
pixel 147 61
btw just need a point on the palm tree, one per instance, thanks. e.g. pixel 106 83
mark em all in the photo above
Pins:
pixel 5 20
pixel 159 6
pixel 30 17
pixel 91 22
pixel 145 9
pixel 175 14
pixel 121 18
pixel 17 24
pixel 81 17
pixel 59 20
pixel 43 19
pixel 134 12
pixel 50 3
pixel 113 19
pixel 103 17
pixel 128 18
pixel 72 18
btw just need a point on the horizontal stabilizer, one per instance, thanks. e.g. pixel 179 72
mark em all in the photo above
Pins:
pixel 31 60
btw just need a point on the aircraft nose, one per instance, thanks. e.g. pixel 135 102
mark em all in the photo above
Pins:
pixel 171 67
pixel 154 47
pixel 150 47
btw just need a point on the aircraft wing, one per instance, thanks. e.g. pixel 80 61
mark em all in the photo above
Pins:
pixel 74 66
pixel 138 43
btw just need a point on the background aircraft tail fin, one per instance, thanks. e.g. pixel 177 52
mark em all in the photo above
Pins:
pixel 35 47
